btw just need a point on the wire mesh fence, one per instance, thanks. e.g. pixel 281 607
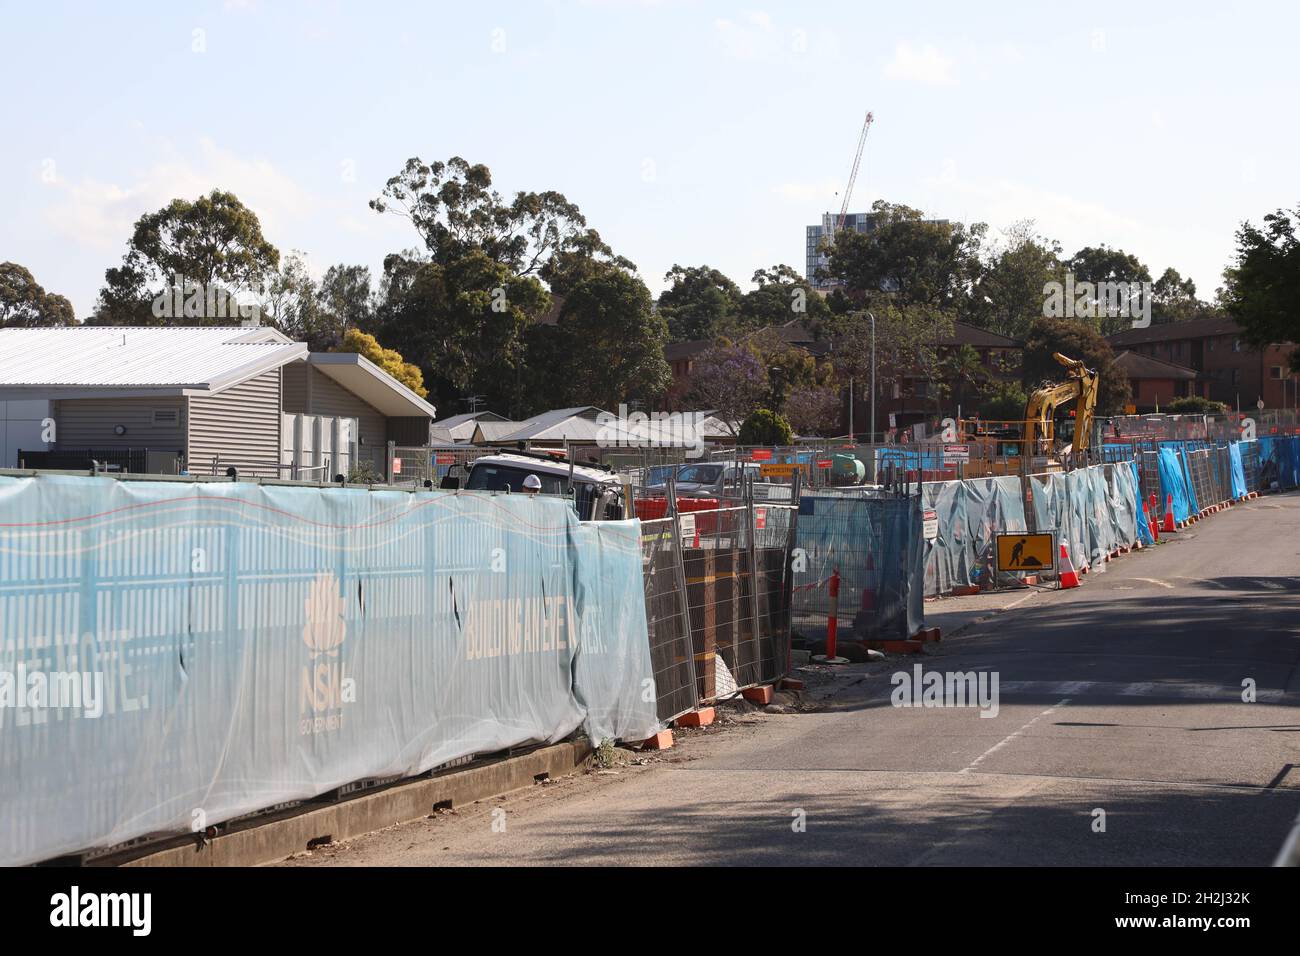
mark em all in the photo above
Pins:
pixel 722 599
pixel 414 465
pixel 1250 465
pixel 859 561
pixel 718 586
pixel 671 655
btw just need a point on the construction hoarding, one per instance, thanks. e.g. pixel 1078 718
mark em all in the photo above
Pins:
pixel 204 650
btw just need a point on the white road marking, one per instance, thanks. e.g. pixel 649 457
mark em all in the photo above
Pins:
pixel 1019 601
pixel 1006 740
pixel 1163 584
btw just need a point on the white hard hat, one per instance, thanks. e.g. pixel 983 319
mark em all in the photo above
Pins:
pixel 532 481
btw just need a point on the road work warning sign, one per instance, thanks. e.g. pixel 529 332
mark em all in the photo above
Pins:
pixel 1026 552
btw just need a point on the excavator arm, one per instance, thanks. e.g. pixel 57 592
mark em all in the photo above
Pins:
pixel 1080 387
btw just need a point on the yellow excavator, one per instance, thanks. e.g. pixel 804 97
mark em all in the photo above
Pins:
pixel 1079 387
pixel 999 445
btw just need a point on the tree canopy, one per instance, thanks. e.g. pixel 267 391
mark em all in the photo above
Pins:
pixel 698 303
pixel 214 242
pixel 389 360
pixel 516 300
pixel 1076 340
pixel 904 256
pixel 1263 288
pixel 25 303
pixel 1007 294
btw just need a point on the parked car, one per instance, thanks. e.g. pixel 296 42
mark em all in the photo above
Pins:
pixel 713 479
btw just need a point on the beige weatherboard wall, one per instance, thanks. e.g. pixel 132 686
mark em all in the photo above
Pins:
pixel 201 399
pixel 346 387
pixel 238 427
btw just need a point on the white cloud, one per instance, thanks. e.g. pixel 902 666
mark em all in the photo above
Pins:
pixel 924 65
pixel 102 214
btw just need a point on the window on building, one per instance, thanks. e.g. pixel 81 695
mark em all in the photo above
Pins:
pixel 1236 345
pixel 1236 376
pixel 1275 372
pixel 1210 343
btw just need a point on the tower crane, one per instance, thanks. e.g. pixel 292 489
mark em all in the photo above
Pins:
pixel 853 174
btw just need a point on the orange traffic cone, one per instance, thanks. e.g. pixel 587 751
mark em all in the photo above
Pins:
pixel 1169 514
pixel 1068 576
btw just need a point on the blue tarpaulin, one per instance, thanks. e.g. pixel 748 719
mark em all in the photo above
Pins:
pixel 1238 474
pixel 1279 461
pixel 1173 483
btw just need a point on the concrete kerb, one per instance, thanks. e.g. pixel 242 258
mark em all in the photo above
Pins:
pixel 270 840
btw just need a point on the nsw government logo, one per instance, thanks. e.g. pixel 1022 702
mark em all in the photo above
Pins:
pixel 325 685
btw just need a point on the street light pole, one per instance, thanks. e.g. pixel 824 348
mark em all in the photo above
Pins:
pixel 872 440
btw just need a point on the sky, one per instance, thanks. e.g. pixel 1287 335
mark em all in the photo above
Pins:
pixel 691 133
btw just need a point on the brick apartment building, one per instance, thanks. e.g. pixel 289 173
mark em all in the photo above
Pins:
pixel 1155 383
pixel 1226 369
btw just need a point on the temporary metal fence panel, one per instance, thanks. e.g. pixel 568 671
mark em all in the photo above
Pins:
pixel 874 544
pixel 720 597
pixel 775 528
pixel 238 646
pixel 1142 512
pixel 1149 474
pixel 1089 509
pixel 414 465
pixel 133 460
pixel 1173 484
pixel 671 654
pixel 1098 514
pixel 734 644
pixel 970 514
pixel 1250 464
pixel 1279 463
pixel 1125 508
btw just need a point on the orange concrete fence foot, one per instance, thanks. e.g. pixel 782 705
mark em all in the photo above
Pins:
pixel 660 741
pixel 696 718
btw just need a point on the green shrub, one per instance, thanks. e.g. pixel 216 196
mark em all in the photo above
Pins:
pixel 1195 405
pixel 364 473
pixel 765 427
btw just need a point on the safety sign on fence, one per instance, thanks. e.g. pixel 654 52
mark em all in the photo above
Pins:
pixel 1026 552
pixel 779 470
pixel 956 454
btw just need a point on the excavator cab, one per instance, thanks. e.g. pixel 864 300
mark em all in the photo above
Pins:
pixel 1059 418
pixel 1058 424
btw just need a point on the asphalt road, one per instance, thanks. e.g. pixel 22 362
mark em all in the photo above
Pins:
pixel 1120 703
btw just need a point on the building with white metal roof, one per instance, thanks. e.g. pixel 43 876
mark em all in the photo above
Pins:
pixel 197 399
